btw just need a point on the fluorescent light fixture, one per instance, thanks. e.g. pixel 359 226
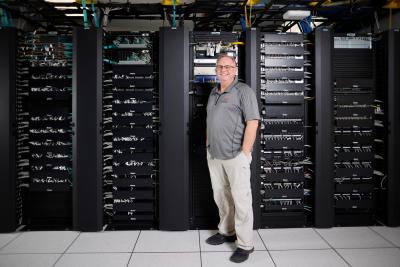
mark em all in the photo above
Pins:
pixel 296 14
pixel 60 1
pixel 65 7
pixel 74 15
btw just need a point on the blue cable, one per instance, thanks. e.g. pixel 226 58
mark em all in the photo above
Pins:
pixel 242 23
pixel 4 16
pixel 174 16
pixel 96 20
pixel 85 22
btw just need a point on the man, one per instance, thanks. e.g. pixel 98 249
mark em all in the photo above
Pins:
pixel 232 121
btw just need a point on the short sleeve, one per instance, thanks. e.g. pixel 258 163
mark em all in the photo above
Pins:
pixel 249 104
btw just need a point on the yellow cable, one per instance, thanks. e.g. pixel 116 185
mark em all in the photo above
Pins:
pixel 237 43
pixel 245 16
pixel 251 6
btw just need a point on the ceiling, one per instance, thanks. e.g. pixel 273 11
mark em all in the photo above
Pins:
pixel 223 15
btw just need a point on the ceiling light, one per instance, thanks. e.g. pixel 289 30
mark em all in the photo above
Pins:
pixel 74 15
pixel 296 14
pixel 65 7
pixel 60 1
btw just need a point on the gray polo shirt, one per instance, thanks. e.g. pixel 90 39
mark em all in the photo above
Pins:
pixel 227 114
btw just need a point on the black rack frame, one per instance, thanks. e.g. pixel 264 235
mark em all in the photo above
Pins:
pixel 8 56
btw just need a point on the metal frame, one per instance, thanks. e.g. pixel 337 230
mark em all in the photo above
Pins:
pixel 252 78
pixel 393 145
pixel 174 140
pixel 324 204
pixel 8 53
pixel 87 137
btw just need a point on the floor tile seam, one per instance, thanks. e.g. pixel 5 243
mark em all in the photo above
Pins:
pixel 337 253
pixel 31 253
pixel 99 252
pixel 133 249
pixel 301 249
pixel 265 246
pixel 368 248
pixel 216 250
pixel 382 236
pixel 171 252
pixel 62 254
pixel 201 261
pixel 326 241
pixel 10 241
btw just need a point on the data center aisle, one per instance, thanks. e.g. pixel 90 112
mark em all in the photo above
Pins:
pixel 339 246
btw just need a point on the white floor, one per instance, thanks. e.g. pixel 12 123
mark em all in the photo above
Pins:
pixel 340 246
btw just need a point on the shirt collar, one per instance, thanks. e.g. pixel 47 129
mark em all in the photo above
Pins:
pixel 228 89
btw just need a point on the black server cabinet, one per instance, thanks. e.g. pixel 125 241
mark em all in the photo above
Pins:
pixel 283 157
pixel 204 50
pixel 324 205
pixel 354 133
pixel 387 97
pixel 87 139
pixel 130 130
pixel 174 118
pixel 8 183
pixel 44 130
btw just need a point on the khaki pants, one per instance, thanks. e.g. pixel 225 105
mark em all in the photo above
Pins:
pixel 230 181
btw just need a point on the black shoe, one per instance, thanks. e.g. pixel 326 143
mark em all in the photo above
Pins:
pixel 219 239
pixel 240 255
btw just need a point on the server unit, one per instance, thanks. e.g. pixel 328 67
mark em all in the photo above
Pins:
pixel 130 130
pixel 284 160
pixel 205 48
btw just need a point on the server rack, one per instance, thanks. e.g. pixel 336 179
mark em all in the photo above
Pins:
pixel 205 48
pixel 130 130
pixel 44 129
pixel 44 120
pixel 354 133
pixel 284 159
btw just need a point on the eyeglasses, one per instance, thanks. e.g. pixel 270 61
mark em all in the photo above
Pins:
pixel 226 67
